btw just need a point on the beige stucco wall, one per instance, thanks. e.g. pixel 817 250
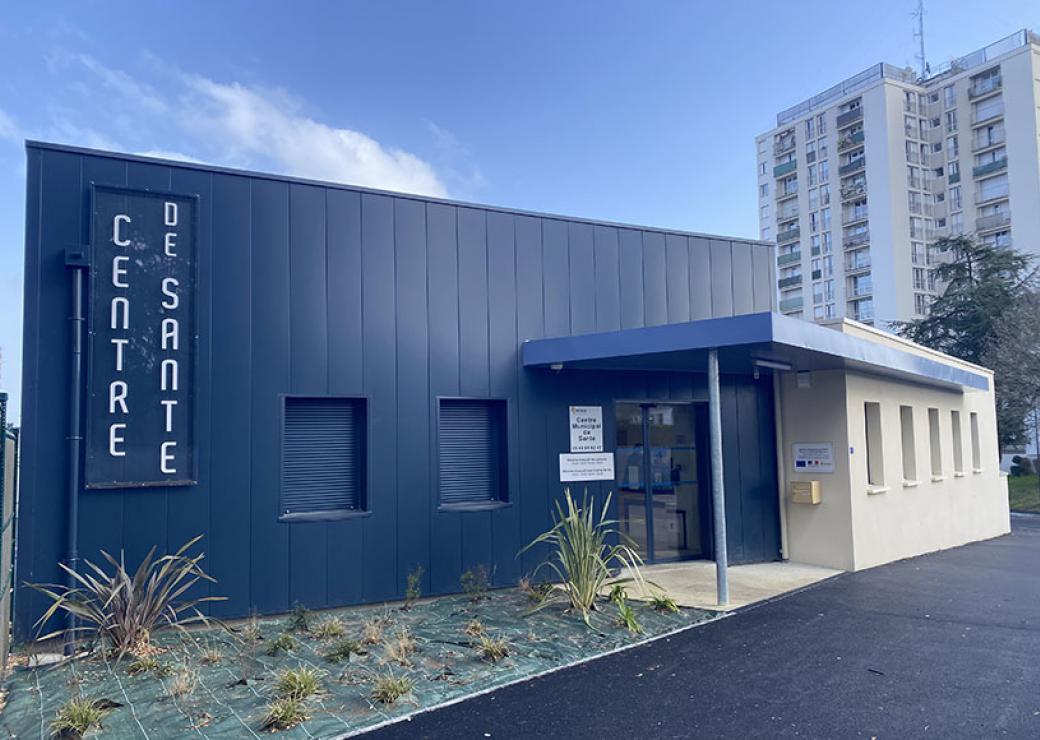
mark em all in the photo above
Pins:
pixel 857 525
pixel 935 514
pixel 819 534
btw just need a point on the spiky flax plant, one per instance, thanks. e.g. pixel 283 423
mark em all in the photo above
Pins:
pixel 582 556
pixel 123 609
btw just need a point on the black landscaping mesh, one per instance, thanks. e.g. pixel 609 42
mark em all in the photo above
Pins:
pixel 228 698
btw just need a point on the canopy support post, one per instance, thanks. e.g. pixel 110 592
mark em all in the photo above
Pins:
pixel 718 492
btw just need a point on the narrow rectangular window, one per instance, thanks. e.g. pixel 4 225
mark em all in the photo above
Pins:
pixel 472 452
pixel 875 455
pixel 323 456
pixel 976 447
pixel 906 425
pixel 935 443
pixel 958 443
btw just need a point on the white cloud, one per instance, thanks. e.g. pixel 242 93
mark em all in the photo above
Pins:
pixel 250 126
pixel 65 127
pixel 166 154
pixel 124 85
pixel 455 160
pixel 253 123
pixel 8 129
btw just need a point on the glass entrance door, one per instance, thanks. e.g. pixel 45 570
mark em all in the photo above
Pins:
pixel 662 480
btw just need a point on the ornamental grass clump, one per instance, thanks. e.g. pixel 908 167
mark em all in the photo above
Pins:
pixel 148 664
pixel 78 716
pixel 285 712
pixel 123 610
pixel 331 627
pixel 581 557
pixel 343 649
pixel 493 649
pixel 388 688
pixel 372 631
pixel 299 683
pixel 284 643
pixel 183 684
pixel 401 648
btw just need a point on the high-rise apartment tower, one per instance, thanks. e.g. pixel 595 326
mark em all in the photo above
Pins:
pixel 856 183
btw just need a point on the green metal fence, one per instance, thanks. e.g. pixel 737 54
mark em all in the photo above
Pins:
pixel 8 495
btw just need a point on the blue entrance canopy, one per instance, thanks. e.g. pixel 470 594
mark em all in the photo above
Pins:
pixel 745 343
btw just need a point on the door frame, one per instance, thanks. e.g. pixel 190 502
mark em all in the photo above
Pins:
pixel 699 412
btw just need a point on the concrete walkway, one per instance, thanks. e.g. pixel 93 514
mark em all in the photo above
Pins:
pixel 692 583
pixel 941 646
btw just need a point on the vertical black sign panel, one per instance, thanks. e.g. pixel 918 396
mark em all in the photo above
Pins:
pixel 141 378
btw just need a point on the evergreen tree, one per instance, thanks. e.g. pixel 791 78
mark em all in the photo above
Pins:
pixel 982 283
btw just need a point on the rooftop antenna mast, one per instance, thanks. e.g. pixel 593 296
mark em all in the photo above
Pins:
pixel 919 36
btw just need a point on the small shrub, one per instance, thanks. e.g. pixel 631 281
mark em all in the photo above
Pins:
pixel 474 627
pixel 493 649
pixel 413 591
pixel 148 664
pixel 388 688
pixel 663 603
pixel 211 656
pixel 124 609
pixel 284 643
pixel 475 583
pixel 1021 465
pixel 581 557
pixel 78 716
pixel 299 683
pixel 401 648
pixel 372 632
pixel 342 650
pixel 331 627
pixel 299 619
pixel 284 712
pixel 183 683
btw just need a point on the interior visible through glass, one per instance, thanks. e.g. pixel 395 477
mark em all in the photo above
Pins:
pixel 669 466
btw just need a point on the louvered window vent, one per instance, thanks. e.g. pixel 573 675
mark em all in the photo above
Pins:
pixel 323 455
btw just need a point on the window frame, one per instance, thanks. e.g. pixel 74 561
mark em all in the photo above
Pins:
pixel 874 446
pixel 976 445
pixel 507 478
pixel 935 445
pixel 366 458
pixel 957 438
pixel 908 444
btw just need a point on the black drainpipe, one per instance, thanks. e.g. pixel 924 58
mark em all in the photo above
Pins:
pixel 76 258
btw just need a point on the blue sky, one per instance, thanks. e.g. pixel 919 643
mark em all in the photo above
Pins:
pixel 637 112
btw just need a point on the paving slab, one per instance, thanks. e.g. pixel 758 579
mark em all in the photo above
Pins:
pixel 692 583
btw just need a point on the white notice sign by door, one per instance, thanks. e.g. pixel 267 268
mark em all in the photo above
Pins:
pixel 589 466
pixel 813 457
pixel 586 429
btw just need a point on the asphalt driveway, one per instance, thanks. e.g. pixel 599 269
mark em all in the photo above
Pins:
pixel 945 645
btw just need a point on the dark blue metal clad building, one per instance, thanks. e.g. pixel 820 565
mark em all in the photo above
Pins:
pixel 329 383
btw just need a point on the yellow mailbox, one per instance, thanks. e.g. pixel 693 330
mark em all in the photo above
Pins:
pixel 805 492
